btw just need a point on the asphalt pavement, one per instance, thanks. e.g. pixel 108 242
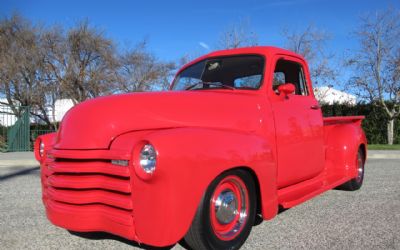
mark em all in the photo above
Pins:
pixel 364 219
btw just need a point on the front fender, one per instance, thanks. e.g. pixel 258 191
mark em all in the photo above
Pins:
pixel 48 140
pixel 188 160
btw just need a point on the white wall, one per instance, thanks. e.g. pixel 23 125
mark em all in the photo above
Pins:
pixel 61 107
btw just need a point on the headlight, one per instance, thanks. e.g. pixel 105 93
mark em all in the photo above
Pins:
pixel 148 159
pixel 41 148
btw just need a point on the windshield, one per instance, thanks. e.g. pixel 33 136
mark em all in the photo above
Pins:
pixel 240 72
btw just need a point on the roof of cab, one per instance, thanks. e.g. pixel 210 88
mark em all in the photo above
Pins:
pixel 263 50
pixel 250 50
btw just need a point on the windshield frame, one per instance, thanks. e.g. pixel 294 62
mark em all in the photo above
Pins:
pixel 207 58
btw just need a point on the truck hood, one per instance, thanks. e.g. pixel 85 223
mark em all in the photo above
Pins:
pixel 95 123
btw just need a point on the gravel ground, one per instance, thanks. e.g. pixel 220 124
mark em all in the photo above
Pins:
pixel 364 219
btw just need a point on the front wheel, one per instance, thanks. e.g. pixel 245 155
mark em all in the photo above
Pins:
pixel 226 213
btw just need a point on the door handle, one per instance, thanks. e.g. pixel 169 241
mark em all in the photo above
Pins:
pixel 315 107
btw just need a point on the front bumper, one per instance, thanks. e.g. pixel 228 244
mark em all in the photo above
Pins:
pixel 82 191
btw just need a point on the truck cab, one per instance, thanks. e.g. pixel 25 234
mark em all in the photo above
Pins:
pixel 240 133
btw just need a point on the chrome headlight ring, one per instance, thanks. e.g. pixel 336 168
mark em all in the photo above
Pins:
pixel 145 160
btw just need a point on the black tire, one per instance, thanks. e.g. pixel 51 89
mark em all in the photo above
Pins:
pixel 203 233
pixel 355 183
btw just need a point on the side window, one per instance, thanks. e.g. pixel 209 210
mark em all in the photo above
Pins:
pixel 279 78
pixel 290 72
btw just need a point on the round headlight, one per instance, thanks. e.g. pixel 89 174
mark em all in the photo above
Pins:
pixel 41 148
pixel 148 159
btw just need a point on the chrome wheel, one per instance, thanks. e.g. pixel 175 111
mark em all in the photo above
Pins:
pixel 226 213
pixel 226 207
pixel 229 208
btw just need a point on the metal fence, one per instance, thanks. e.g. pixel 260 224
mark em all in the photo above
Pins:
pixel 18 131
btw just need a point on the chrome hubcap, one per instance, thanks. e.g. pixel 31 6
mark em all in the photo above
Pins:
pixel 226 207
pixel 229 208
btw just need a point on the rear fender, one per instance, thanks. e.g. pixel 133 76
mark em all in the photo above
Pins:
pixel 342 143
pixel 188 160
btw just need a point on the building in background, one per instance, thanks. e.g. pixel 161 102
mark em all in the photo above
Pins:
pixel 61 107
pixel 329 95
pixel 6 115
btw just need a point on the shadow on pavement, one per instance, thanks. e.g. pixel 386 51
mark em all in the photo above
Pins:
pixel 21 172
pixel 107 236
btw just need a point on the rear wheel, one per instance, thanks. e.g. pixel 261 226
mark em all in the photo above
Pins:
pixel 356 183
pixel 226 213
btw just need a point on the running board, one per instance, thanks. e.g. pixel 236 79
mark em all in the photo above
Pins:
pixel 293 195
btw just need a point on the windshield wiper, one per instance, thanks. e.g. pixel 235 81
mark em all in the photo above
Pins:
pixel 210 84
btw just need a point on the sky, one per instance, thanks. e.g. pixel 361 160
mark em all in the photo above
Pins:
pixel 177 28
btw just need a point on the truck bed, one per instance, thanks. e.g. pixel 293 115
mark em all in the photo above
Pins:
pixel 333 120
pixel 340 157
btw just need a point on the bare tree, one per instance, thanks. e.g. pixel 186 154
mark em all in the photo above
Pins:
pixel 53 52
pixel 142 71
pixel 376 65
pixel 185 59
pixel 40 65
pixel 81 62
pixel 238 35
pixel 310 43
pixel 22 78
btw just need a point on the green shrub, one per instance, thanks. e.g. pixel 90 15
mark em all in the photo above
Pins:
pixel 374 124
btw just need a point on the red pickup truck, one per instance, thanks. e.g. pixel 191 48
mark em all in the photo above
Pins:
pixel 239 134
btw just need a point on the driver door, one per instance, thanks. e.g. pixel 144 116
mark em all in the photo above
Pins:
pixel 298 124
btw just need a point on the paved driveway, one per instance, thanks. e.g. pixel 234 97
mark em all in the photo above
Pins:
pixel 365 219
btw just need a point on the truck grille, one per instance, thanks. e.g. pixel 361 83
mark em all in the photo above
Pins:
pixel 88 183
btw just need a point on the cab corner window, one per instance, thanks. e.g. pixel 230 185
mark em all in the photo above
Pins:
pixel 290 72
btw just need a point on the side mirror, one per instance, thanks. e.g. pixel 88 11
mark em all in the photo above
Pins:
pixel 286 89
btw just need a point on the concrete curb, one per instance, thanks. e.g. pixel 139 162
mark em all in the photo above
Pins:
pixel 18 163
pixel 18 159
pixel 383 156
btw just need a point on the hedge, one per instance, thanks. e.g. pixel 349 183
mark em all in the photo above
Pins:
pixel 375 123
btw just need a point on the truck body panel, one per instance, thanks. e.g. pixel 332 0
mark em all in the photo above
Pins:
pixel 113 115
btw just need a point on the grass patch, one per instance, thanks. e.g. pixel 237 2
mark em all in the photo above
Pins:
pixel 383 147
